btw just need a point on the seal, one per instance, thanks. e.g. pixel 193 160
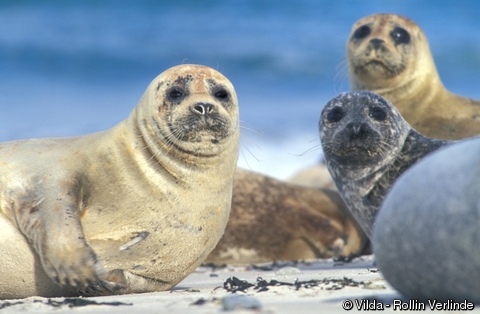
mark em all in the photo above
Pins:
pixel 132 209
pixel 272 220
pixel 367 145
pixel 314 176
pixel 389 54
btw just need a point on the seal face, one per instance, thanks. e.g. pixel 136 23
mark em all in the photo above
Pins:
pixel 389 54
pixel 367 145
pixel 135 208
pixel 361 129
pixel 195 111
pixel 381 48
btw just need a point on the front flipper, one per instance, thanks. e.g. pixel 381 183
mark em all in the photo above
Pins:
pixel 52 226
pixel 123 282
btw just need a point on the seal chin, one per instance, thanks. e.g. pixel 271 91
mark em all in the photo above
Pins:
pixel 378 68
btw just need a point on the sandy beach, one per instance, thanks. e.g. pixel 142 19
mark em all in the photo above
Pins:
pixel 290 287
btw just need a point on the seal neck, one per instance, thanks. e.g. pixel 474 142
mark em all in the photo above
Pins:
pixel 157 157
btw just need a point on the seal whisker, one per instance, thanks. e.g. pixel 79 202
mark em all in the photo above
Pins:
pixel 249 140
pixel 250 129
pixel 341 75
pixel 309 150
pixel 253 155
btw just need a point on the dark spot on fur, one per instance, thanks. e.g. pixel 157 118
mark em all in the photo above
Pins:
pixel 159 85
pixel 184 80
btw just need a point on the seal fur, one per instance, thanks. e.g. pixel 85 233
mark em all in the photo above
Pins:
pixel 367 145
pixel 389 54
pixel 132 209
pixel 272 220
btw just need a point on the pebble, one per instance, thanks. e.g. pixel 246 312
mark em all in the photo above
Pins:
pixel 235 301
pixel 427 234
pixel 288 270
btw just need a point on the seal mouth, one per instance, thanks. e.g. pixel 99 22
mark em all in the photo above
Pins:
pixel 376 66
pixel 171 142
pixel 199 131
pixel 357 150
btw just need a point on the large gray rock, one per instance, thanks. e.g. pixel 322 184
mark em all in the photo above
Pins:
pixel 427 234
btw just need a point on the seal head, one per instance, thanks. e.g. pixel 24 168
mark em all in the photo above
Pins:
pixel 361 130
pixel 387 51
pixel 195 111
pixel 367 145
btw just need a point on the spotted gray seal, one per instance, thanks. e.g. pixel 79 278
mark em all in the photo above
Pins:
pixel 132 209
pixel 367 145
pixel 389 54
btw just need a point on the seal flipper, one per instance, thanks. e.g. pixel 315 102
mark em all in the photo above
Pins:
pixel 123 282
pixel 52 226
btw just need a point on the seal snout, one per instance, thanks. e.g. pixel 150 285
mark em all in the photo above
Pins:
pixel 202 109
pixel 357 131
pixel 376 43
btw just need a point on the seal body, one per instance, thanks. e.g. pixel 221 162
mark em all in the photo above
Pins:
pixel 135 208
pixel 314 176
pixel 388 54
pixel 367 146
pixel 272 220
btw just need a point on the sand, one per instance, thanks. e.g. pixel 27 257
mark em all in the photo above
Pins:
pixel 313 287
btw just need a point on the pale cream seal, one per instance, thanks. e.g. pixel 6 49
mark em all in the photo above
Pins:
pixel 132 209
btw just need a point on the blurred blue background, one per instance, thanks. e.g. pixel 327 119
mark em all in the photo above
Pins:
pixel 75 67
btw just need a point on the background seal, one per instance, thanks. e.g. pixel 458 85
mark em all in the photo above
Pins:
pixel 272 220
pixel 388 54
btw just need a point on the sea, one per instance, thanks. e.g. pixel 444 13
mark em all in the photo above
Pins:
pixel 69 68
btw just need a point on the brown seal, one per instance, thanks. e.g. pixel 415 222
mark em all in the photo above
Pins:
pixel 367 146
pixel 388 54
pixel 132 209
pixel 313 176
pixel 271 220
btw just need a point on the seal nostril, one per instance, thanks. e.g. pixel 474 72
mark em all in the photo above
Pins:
pixel 199 109
pixel 203 109
pixel 376 43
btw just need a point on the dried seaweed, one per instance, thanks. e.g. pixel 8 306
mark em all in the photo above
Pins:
pixel 233 284
pixel 71 302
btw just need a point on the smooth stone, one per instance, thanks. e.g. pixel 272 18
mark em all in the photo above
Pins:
pixel 288 270
pixel 427 235
pixel 235 301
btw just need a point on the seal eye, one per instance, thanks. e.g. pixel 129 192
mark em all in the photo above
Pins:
pixel 378 114
pixel 362 32
pixel 335 115
pixel 175 94
pixel 221 94
pixel 400 36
